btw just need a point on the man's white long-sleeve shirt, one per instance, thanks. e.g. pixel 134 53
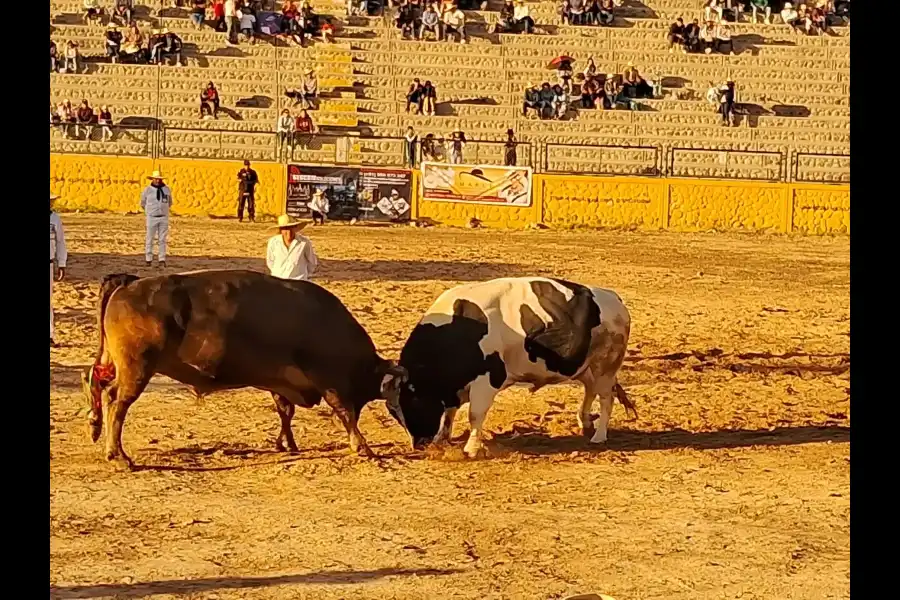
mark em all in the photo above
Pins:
pixel 299 261
pixel 58 251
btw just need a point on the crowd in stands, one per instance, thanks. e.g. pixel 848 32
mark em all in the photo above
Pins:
pixel 421 98
pixel 80 123
pixel 812 17
pixel 587 12
pixel 415 19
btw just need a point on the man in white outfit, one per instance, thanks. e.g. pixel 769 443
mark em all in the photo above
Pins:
pixel 58 257
pixel 156 200
pixel 290 255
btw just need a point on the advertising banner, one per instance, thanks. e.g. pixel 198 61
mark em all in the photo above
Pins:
pixel 362 193
pixel 479 184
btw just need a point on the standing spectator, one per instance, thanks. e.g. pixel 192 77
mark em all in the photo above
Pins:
pixel 726 104
pixel 309 88
pixel 285 130
pixel 92 11
pixel 156 201
pixel 457 143
pixel 304 130
pixel 124 11
pixel 85 115
pixel 104 120
pixel 247 181
pixel 509 149
pixel 455 24
pixel 522 21
pixel 209 101
pixel 113 42
pixel 219 16
pixel 790 16
pixel 231 21
pixel 410 149
pixel 532 100
pixel 72 58
pixel 290 255
pixel 761 5
pixel 319 206
pixel 692 36
pixel 198 13
pixel 414 95
pixel 431 22
pixel 676 35
pixel 428 100
pixel 58 257
pixel 54 57
pixel 248 25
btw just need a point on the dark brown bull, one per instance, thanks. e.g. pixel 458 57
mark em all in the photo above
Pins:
pixel 221 330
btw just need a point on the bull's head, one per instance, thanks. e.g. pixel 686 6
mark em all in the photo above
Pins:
pixel 393 378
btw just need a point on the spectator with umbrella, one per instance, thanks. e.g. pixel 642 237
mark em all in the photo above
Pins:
pixel 563 66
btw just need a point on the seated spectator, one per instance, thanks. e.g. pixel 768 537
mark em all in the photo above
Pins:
pixel 593 94
pixel 428 99
pixel 590 70
pixel 532 100
pixel 522 20
pixel 414 96
pixel 209 102
pixel 457 143
pixel 676 34
pixel 723 39
pixel 546 100
pixel 455 24
pixel 172 46
pixel 791 17
pixel 708 37
pixel 198 13
pixel 726 104
pixel 560 102
pixel 104 120
pixel 575 12
pixel 92 11
pixel 113 42
pixel 304 130
pixel 54 57
pixel 85 116
pixel 327 32
pixel 405 20
pixel 601 12
pixel 123 12
pixel 841 10
pixel 817 23
pixel 72 59
pixel 712 11
pixel 67 118
pixel 761 5
pixel 248 25
pixel 635 85
pixel 615 91
pixel 134 39
pixel 504 22
pixel 54 117
pixel 155 43
pixel 309 89
pixel 692 36
pixel 284 129
pixel 430 150
pixel 431 23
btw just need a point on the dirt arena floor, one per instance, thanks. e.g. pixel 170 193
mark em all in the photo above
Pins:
pixel 734 481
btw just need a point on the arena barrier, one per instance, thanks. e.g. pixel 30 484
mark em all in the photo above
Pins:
pixel 209 187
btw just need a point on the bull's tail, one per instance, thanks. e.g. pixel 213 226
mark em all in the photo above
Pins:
pixel 99 375
pixel 630 409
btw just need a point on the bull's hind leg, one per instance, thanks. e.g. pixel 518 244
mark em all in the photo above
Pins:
pixel 286 412
pixel 481 397
pixel 127 387
pixel 349 418
pixel 603 387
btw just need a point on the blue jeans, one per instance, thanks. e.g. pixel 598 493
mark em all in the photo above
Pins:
pixel 197 19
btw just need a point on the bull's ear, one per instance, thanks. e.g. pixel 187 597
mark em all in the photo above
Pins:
pixel 394 377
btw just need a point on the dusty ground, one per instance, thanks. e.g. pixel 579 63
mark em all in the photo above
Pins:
pixel 733 483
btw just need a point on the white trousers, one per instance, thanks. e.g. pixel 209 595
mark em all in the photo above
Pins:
pixel 157 227
pixel 51 301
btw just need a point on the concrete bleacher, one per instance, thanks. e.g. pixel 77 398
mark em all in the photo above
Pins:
pixel 794 90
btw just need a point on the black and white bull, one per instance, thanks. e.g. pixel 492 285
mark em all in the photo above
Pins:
pixel 481 338
pixel 222 330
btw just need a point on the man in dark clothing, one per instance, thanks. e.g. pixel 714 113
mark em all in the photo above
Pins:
pixel 676 34
pixel 247 180
pixel 172 46
pixel 532 100
pixel 726 104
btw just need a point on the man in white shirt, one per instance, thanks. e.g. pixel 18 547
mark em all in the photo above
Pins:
pixel 231 21
pixel 455 24
pixel 58 256
pixel 156 200
pixel 290 255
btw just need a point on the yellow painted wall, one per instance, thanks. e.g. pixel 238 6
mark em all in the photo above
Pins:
pixel 202 187
pixel 199 187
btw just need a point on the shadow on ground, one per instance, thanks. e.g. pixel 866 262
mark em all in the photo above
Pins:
pixel 193 586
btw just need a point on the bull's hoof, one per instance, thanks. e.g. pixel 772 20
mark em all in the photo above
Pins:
pixel 120 462
pixel 291 448
pixel 94 430
pixel 476 452
pixel 365 452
